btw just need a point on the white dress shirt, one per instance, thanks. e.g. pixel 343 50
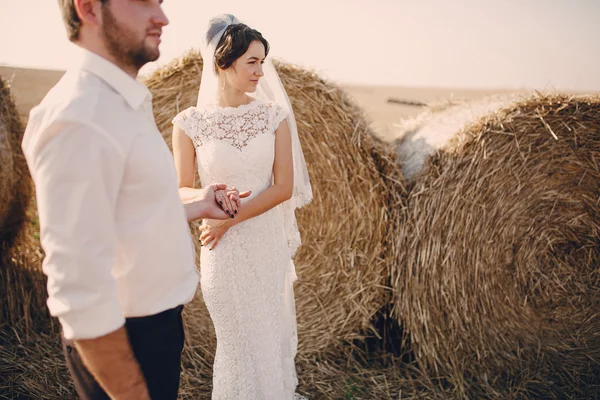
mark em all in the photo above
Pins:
pixel 113 228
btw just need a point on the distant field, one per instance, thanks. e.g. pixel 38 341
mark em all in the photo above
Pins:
pixel 374 100
pixel 31 85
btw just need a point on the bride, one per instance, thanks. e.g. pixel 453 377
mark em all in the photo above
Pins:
pixel 247 273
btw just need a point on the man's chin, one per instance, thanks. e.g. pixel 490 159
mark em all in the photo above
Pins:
pixel 142 58
pixel 151 50
pixel 152 54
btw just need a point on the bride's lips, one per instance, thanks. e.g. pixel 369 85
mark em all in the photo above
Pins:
pixel 255 81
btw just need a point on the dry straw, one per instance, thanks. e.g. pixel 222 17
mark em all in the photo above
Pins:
pixel 15 187
pixel 32 366
pixel 28 355
pixel 498 282
pixel 347 230
pixel 17 302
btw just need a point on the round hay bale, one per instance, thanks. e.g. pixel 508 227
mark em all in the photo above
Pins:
pixel 23 311
pixel 347 230
pixel 498 282
pixel 420 137
pixel 15 185
pixel 22 291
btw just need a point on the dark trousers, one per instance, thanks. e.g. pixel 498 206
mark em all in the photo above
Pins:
pixel 157 343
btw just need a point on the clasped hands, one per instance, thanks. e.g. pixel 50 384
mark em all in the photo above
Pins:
pixel 228 202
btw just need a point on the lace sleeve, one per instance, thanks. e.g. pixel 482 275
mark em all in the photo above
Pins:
pixel 278 115
pixel 186 121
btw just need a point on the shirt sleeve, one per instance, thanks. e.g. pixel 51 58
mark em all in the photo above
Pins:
pixel 78 174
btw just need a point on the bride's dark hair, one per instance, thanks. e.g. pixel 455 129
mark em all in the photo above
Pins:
pixel 234 43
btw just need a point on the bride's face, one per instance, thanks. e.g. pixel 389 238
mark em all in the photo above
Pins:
pixel 246 71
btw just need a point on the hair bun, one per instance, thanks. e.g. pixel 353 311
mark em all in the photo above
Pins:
pixel 218 23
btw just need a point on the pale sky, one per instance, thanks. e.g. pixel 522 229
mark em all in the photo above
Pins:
pixel 536 44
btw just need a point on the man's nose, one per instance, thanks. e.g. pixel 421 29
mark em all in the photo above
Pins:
pixel 159 17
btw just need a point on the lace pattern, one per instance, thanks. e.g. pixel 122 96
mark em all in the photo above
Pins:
pixel 247 280
pixel 234 125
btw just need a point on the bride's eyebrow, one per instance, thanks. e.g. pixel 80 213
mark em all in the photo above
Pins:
pixel 254 58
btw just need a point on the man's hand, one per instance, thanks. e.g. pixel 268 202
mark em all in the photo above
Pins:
pixel 204 203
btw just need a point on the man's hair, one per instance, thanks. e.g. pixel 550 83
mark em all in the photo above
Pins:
pixel 71 19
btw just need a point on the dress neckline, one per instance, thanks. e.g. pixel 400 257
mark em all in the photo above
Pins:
pixel 240 107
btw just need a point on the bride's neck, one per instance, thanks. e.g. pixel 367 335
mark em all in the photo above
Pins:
pixel 231 97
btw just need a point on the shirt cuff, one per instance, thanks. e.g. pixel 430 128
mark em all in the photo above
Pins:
pixel 93 322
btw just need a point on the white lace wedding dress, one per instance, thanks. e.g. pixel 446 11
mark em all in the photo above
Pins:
pixel 247 280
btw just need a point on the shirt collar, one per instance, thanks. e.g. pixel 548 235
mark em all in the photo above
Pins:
pixel 134 92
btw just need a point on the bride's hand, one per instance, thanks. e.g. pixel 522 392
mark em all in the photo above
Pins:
pixel 212 233
pixel 226 202
pixel 230 200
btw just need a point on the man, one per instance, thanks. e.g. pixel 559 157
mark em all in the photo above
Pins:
pixel 119 255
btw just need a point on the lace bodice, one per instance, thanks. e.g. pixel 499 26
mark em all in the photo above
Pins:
pixel 234 125
pixel 234 145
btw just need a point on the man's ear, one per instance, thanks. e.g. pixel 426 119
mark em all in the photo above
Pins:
pixel 89 11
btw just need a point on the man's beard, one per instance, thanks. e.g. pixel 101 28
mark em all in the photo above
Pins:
pixel 121 43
